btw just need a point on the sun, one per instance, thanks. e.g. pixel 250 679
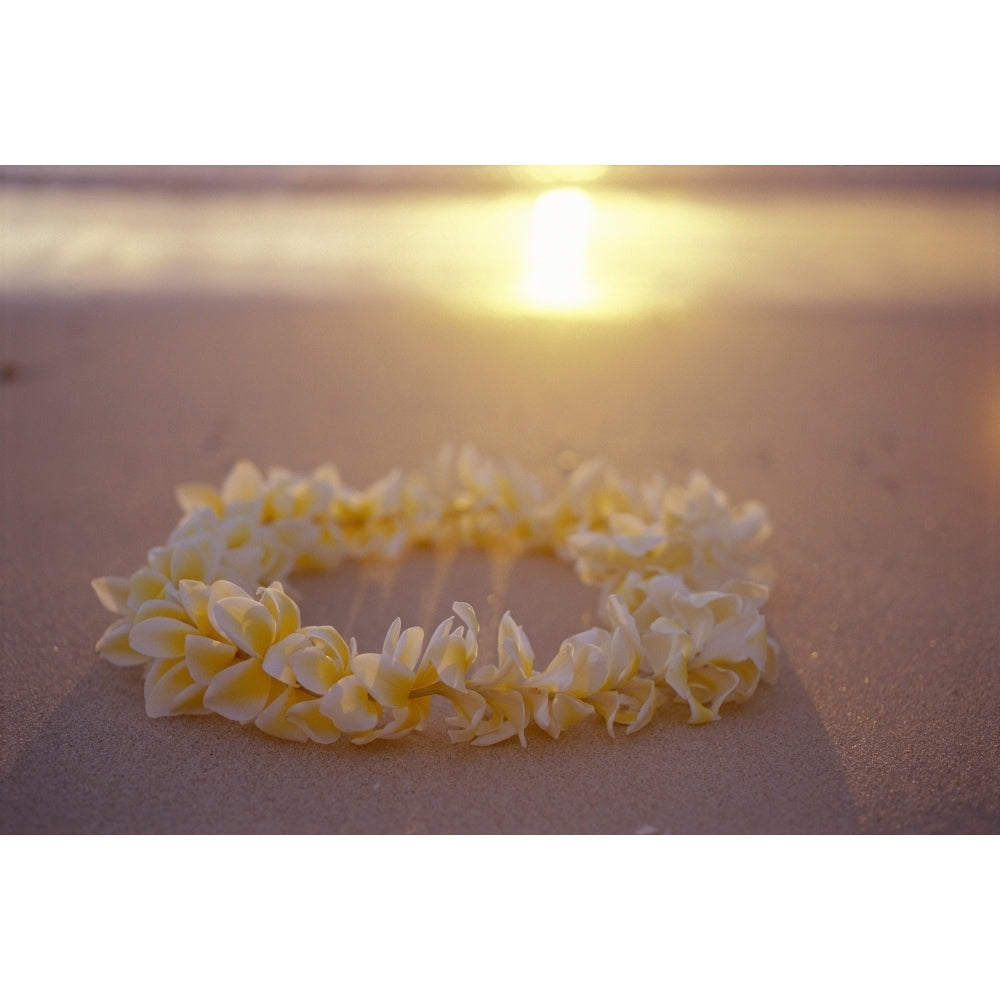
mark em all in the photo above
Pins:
pixel 556 274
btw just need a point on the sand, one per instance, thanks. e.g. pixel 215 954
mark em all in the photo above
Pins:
pixel 868 424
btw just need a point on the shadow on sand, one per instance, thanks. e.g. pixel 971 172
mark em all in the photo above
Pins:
pixel 99 765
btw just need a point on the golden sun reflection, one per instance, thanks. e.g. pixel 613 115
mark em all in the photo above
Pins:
pixel 557 270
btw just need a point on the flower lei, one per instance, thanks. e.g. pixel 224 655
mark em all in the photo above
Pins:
pixel 209 620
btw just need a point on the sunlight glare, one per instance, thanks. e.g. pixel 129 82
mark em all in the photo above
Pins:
pixel 557 274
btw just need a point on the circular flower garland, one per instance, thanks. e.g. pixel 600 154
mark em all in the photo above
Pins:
pixel 209 620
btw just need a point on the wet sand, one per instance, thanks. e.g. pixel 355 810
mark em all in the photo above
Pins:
pixel 870 428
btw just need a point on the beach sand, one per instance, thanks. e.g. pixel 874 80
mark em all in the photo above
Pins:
pixel 867 421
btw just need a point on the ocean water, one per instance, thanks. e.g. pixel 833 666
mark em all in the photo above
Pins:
pixel 609 243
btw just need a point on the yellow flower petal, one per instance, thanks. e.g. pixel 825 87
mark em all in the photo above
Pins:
pixel 145 585
pixel 194 600
pixel 162 607
pixel 162 638
pixel 195 559
pixel 471 707
pixel 220 589
pixel 539 704
pixel 315 669
pixel 317 726
pixel 207 657
pixel 567 710
pixel 114 645
pixel 244 482
pixel 711 683
pixel 648 697
pixel 504 731
pixel 170 690
pixel 506 716
pixel 277 661
pixel 450 654
pixel 275 722
pixel 607 704
pixel 467 613
pixel 349 706
pixel 742 637
pixel 244 622
pixel 283 609
pixel 405 720
pixel 514 650
pixel 193 496
pixel 190 701
pixel 387 680
pixel 239 692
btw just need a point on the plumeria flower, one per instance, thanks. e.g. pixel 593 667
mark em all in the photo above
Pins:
pixel 114 592
pixel 278 718
pixel 241 690
pixel 593 493
pixel 379 681
pixel 242 491
pixel 314 658
pixel 389 676
pixel 502 686
pixel 505 716
pixel 164 631
pixel 718 543
pixel 450 653
pixel 476 501
pixel 214 639
pixel 193 557
pixel 351 709
pixel 237 548
pixel 492 708
pixel 370 521
pixel 629 544
pixel 709 647
pixel 590 673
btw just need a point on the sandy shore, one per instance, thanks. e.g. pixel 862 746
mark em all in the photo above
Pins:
pixel 870 429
